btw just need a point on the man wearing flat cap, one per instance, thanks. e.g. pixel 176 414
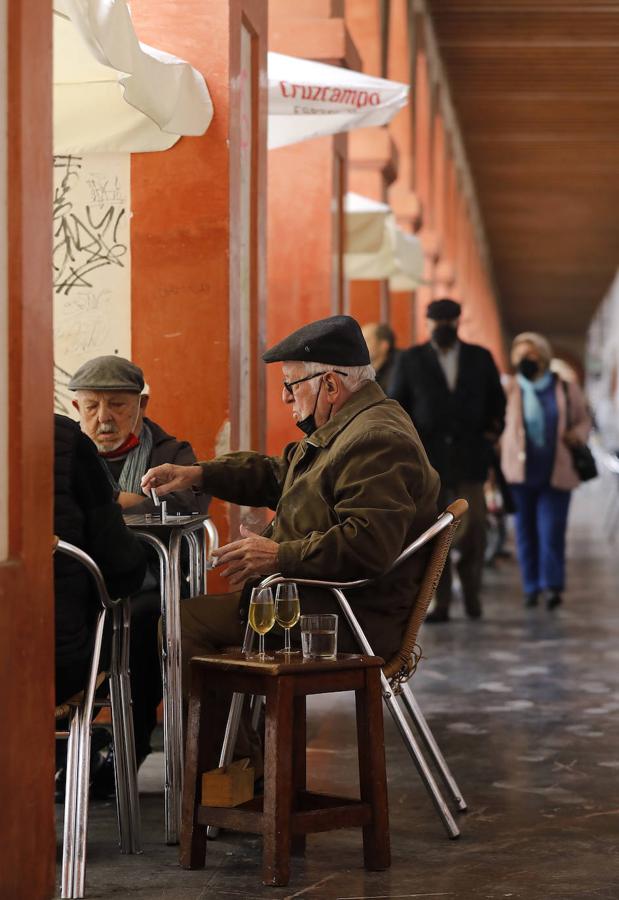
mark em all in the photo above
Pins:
pixel 111 404
pixel 452 392
pixel 348 496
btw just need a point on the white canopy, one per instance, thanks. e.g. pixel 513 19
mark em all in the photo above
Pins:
pixel 309 99
pixel 115 94
pixel 376 248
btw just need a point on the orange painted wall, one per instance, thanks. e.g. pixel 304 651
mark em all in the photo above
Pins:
pixel 185 233
pixel 305 183
pixel 365 301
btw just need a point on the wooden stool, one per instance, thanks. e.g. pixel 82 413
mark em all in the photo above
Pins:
pixel 287 812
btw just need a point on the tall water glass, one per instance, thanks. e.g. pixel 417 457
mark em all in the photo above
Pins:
pixel 287 612
pixel 261 615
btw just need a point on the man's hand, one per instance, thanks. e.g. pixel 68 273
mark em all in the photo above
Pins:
pixel 168 478
pixel 251 557
pixel 127 499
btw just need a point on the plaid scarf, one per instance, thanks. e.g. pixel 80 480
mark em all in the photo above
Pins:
pixel 136 464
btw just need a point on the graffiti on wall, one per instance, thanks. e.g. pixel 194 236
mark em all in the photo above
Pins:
pixel 91 263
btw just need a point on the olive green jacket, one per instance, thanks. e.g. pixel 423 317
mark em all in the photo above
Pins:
pixel 347 501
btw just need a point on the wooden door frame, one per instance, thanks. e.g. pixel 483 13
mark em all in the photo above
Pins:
pixel 27 841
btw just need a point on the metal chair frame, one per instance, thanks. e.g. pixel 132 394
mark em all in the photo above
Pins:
pixel 396 671
pixel 78 744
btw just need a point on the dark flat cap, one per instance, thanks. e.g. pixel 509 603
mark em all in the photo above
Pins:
pixel 443 309
pixel 108 373
pixel 337 340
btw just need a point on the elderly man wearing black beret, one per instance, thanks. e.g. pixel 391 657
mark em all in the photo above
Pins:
pixel 347 497
pixel 453 394
pixel 111 405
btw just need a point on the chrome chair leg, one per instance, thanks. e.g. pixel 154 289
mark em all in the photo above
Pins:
pixel 256 709
pixel 127 801
pixel 229 743
pixel 81 806
pixel 432 747
pixel 70 802
pixel 421 765
pixel 400 719
pixel 135 833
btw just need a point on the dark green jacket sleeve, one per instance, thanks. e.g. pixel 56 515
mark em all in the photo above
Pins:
pixel 247 478
pixel 376 479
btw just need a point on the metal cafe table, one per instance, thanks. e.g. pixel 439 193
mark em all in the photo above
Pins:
pixel 166 537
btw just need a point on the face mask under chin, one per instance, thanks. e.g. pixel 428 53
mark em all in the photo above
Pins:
pixel 308 425
pixel 445 336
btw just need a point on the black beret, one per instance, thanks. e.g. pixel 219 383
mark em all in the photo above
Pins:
pixel 108 373
pixel 443 309
pixel 337 341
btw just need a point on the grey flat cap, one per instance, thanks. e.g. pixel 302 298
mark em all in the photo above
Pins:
pixel 108 373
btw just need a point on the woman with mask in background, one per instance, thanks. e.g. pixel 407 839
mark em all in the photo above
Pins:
pixel 545 416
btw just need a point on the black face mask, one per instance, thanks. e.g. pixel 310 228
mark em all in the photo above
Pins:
pixel 529 368
pixel 445 336
pixel 308 424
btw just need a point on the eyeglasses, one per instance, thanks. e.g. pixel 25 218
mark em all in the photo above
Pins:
pixel 290 384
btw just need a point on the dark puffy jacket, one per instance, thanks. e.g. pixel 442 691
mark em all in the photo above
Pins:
pixel 86 515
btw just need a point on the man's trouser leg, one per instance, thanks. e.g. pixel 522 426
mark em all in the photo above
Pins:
pixel 471 543
pixel 208 624
pixel 145 668
pixel 443 590
pixel 470 540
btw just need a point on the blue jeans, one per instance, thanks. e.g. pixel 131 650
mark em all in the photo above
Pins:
pixel 541 522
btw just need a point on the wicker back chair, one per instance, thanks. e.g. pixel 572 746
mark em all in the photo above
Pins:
pixel 79 709
pixel 402 664
pixel 398 669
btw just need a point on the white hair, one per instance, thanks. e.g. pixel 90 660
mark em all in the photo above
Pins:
pixel 355 375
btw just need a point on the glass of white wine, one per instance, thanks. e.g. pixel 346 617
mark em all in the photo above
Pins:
pixel 261 615
pixel 287 612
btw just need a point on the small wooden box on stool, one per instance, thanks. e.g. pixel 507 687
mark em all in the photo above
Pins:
pixel 229 785
pixel 288 811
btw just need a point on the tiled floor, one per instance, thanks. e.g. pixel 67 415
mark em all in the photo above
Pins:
pixel 525 705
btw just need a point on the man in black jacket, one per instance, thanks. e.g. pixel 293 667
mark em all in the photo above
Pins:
pixel 111 404
pixel 453 394
pixel 85 514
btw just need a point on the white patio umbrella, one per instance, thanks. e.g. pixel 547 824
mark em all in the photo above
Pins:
pixel 309 99
pixel 113 93
pixel 376 248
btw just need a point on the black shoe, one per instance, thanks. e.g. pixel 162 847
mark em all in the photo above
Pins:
pixel 554 600
pixel 61 784
pixel 103 781
pixel 100 742
pixel 531 599
pixel 474 613
pixel 437 616
pixel 103 777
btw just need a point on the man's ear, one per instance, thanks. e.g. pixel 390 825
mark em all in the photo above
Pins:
pixel 144 398
pixel 75 405
pixel 332 383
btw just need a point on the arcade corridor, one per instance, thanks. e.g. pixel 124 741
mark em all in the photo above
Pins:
pixel 524 705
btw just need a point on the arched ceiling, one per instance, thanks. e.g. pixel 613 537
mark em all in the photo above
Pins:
pixel 536 89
